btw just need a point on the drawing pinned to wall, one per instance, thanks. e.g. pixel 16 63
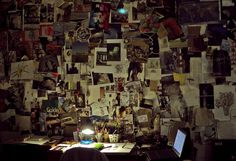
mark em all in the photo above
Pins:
pixel 153 44
pixel 224 101
pixel 23 70
pixel 153 69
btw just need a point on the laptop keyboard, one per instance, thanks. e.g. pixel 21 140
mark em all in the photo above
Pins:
pixel 168 153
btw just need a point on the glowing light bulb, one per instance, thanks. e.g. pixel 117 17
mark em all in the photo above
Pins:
pixel 122 11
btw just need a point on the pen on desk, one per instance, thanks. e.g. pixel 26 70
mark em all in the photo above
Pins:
pixel 124 145
pixel 107 147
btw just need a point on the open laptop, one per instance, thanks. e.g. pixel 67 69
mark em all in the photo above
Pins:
pixel 174 153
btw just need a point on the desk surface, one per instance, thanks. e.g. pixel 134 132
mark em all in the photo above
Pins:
pixel 109 148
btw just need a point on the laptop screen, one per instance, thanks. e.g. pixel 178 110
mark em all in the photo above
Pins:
pixel 179 142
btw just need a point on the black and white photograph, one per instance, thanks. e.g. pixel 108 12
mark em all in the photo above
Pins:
pixel 113 52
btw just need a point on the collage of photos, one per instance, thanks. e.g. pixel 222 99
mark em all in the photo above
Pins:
pixel 118 61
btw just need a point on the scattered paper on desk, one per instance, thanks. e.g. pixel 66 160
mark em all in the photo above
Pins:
pixel 118 148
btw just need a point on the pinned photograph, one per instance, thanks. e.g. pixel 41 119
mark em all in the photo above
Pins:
pixel 72 68
pixel 46 31
pixel 206 95
pixel 47 13
pixel 15 20
pixel 102 78
pixel 137 50
pixel 114 32
pixel 114 52
pixel 119 16
pixel 80 100
pixel 101 56
pixel 31 16
pixel 80 52
pixel 167 62
pixel 48 63
pixel 195 12
pixel 99 16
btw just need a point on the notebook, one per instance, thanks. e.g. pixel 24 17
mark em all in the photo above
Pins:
pixel 173 153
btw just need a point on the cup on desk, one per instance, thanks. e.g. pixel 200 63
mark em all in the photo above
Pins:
pixel 114 138
pixel 75 136
pixel 99 137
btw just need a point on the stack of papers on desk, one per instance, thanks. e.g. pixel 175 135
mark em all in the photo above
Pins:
pixel 39 140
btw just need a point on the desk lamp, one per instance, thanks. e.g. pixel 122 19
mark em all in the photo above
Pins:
pixel 87 131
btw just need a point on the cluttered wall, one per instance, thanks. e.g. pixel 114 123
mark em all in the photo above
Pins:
pixel 132 66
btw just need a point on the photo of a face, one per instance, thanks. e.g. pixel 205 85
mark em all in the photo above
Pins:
pixel 114 52
pixel 80 100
